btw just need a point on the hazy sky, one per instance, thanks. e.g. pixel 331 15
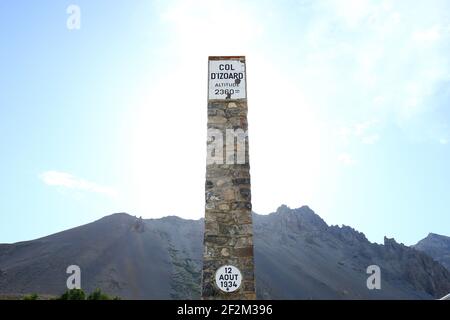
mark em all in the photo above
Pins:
pixel 348 110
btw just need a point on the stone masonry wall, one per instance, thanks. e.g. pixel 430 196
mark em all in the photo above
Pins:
pixel 228 218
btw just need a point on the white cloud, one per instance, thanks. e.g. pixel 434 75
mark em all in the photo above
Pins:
pixel 205 26
pixel 427 35
pixel 69 181
pixel 346 159
pixel 443 141
pixel 379 100
pixel 351 11
pixel 360 132
pixel 361 128
pixel 371 139
pixel 379 58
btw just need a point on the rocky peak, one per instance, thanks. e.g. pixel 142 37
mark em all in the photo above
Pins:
pixel 435 240
pixel 391 245
pixel 436 246
pixel 348 234
pixel 139 225
pixel 283 209
pixel 302 218
pixel 120 217
pixel 390 242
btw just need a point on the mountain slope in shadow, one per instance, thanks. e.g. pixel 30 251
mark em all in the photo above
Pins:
pixel 297 256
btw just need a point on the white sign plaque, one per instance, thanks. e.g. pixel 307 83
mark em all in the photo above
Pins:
pixel 226 79
pixel 228 278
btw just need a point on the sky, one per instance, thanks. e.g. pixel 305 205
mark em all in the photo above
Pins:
pixel 348 110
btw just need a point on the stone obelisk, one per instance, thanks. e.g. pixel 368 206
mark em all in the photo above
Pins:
pixel 228 265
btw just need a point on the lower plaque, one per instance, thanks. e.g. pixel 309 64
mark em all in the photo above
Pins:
pixel 228 278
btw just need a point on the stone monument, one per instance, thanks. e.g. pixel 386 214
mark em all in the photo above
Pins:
pixel 228 266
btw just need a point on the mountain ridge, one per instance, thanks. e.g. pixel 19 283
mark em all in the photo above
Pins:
pixel 297 256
